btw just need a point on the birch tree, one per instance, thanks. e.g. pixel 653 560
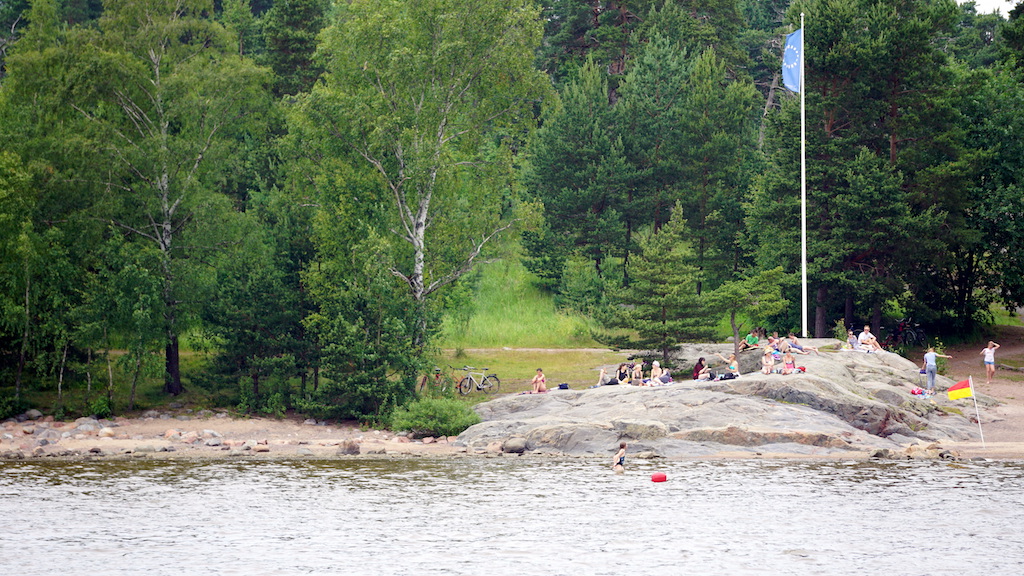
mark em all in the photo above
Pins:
pixel 411 89
pixel 176 93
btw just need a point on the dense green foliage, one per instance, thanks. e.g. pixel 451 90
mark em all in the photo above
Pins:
pixel 434 417
pixel 302 192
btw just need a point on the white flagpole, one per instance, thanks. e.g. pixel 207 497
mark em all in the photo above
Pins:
pixel 803 178
pixel 974 396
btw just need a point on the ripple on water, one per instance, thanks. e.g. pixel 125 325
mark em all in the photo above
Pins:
pixel 513 516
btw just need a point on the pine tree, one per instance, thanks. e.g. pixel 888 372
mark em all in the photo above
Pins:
pixel 661 305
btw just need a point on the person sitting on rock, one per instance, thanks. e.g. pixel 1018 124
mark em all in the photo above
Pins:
pixel 767 361
pixel 656 373
pixel 731 364
pixel 621 376
pixel 538 382
pixel 868 340
pixel 701 370
pixel 750 341
pixel 637 374
pixel 788 364
pixel 851 339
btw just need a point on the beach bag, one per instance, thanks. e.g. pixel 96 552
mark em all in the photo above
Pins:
pixel 563 386
pixel 728 376
pixel 916 391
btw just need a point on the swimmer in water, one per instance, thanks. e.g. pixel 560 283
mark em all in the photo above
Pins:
pixel 619 462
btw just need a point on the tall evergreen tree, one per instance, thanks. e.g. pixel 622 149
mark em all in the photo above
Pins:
pixel 290 30
pixel 578 170
pixel 660 305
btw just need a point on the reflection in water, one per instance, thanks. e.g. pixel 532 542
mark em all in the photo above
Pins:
pixel 512 516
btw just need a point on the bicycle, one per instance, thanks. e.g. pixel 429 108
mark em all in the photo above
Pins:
pixel 440 384
pixel 489 383
pixel 906 333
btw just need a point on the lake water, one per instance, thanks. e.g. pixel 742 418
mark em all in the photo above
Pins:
pixel 511 516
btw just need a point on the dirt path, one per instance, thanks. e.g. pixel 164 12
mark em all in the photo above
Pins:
pixel 1006 422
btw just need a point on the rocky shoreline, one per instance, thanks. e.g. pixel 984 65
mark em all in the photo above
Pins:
pixel 848 405
pixel 205 435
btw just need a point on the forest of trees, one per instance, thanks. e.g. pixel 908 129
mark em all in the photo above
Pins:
pixel 287 183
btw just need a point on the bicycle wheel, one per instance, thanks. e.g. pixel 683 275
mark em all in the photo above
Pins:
pixel 490 384
pixel 445 384
pixel 465 386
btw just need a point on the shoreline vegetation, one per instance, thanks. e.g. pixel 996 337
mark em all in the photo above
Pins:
pixel 182 434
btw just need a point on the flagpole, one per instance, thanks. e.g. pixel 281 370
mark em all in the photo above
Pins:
pixel 803 179
pixel 970 380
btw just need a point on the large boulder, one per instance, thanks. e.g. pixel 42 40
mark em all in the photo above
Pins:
pixel 846 401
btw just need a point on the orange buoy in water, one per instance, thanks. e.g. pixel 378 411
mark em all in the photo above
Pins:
pixel 658 477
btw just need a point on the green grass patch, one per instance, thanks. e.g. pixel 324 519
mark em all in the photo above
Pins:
pixel 510 310
pixel 951 410
pixel 516 368
pixel 1001 317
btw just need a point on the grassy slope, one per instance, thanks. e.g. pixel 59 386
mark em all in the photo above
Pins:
pixel 510 311
pixel 516 329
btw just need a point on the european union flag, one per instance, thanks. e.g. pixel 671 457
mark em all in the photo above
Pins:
pixel 792 60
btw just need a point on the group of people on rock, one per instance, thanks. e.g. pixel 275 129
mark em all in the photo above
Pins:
pixel 790 343
pixel 863 342
pixel 632 373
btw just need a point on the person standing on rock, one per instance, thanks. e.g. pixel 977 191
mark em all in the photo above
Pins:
pixel 619 462
pixel 990 361
pixel 931 368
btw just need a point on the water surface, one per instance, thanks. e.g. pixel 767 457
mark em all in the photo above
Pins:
pixel 512 516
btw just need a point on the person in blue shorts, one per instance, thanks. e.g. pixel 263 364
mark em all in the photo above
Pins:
pixel 990 361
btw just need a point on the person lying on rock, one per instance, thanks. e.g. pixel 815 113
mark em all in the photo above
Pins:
pixel 794 344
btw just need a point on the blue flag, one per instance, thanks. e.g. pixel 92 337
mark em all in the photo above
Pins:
pixel 792 60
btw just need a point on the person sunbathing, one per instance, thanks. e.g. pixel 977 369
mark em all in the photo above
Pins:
pixel 788 364
pixel 767 361
pixel 801 349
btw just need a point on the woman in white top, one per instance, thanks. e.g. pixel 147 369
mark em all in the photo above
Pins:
pixel 990 361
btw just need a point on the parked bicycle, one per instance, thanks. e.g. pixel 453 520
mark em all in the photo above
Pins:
pixel 489 383
pixel 905 333
pixel 439 383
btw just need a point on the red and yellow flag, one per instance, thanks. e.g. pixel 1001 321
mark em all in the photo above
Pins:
pixel 962 389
